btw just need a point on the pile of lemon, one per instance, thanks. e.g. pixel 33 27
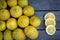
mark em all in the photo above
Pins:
pixel 50 23
pixel 17 17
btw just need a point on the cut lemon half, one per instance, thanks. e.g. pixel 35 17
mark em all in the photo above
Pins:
pixel 50 21
pixel 50 29
pixel 49 15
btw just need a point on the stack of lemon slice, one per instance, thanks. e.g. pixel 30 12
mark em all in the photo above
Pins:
pixel 50 23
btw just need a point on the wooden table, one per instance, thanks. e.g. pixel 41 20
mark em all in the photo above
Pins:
pixel 41 8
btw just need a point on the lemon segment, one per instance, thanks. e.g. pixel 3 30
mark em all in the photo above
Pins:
pixel 31 32
pixel 50 29
pixel 50 21
pixel 49 15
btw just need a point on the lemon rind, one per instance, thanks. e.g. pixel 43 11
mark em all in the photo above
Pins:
pixel 49 13
pixel 49 27
pixel 50 19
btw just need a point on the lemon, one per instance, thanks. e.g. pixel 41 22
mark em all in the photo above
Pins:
pixel 23 3
pixel 3 4
pixel 1 36
pixel 49 15
pixel 4 14
pixel 50 21
pixel 28 11
pixel 19 39
pixel 23 21
pixel 50 29
pixel 11 24
pixel 7 35
pixel 12 3
pixel 31 32
pixel 2 25
pixel 16 11
pixel 35 21
pixel 18 34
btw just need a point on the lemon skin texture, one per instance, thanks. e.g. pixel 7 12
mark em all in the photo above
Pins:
pixel 1 35
pixel 2 25
pixel 31 32
pixel 35 21
pixel 18 34
pixel 23 3
pixel 7 35
pixel 12 3
pixel 23 21
pixel 16 11
pixel 12 24
pixel 4 14
pixel 3 4
pixel 28 11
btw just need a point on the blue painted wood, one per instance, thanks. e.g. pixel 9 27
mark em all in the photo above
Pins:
pixel 41 14
pixel 43 36
pixel 45 4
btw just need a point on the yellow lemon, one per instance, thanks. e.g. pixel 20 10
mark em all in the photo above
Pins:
pixel 31 32
pixel 22 3
pixel 16 11
pixel 12 3
pixel 19 39
pixel 50 21
pixel 35 21
pixel 11 24
pixel 50 29
pixel 1 36
pixel 28 10
pixel 7 35
pixel 23 21
pixel 18 34
pixel 49 15
pixel 4 14
pixel 2 25
pixel 3 4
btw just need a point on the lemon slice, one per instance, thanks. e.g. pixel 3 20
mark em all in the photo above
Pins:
pixel 50 29
pixel 50 21
pixel 49 15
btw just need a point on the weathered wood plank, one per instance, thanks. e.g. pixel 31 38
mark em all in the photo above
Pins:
pixel 45 4
pixel 41 16
pixel 44 36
